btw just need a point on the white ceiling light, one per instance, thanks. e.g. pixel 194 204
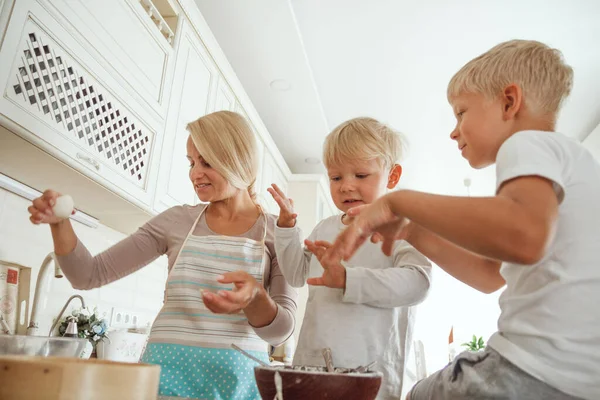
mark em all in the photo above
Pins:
pixel 312 160
pixel 280 85
pixel 467 183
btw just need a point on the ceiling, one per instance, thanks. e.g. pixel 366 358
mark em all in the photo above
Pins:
pixel 392 60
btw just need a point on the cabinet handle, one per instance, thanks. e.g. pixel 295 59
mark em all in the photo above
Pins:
pixel 89 160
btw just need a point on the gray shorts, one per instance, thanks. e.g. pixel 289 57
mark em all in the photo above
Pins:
pixel 484 375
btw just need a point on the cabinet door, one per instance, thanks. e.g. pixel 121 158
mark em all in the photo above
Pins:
pixel 271 173
pixel 194 77
pixel 123 37
pixel 63 101
pixel 5 7
pixel 325 206
pixel 225 99
pixel 260 149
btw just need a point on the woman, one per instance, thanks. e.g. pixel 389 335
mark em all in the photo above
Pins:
pixel 210 248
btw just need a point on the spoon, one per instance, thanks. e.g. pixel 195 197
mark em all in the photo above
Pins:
pixel 278 386
pixel 364 369
pixel 328 359
pixel 264 364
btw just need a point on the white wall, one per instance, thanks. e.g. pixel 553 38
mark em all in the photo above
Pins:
pixel 452 303
pixel 592 142
pixel 304 195
pixel 24 243
pixel 312 203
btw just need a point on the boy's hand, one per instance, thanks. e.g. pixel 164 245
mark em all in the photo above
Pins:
pixel 391 232
pixel 376 217
pixel 334 275
pixel 287 216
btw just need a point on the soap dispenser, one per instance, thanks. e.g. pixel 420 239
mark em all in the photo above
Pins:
pixel 71 331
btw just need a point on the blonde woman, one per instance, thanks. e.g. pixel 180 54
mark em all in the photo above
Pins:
pixel 224 285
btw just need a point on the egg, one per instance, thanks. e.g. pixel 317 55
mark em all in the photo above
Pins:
pixel 63 206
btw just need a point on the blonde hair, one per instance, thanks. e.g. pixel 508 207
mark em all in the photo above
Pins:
pixel 362 139
pixel 541 72
pixel 226 142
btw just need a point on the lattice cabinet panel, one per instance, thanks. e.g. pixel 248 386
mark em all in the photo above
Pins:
pixel 51 84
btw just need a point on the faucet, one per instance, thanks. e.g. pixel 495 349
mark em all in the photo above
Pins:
pixel 63 310
pixel 4 326
pixel 33 327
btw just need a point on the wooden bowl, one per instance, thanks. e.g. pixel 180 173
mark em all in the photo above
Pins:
pixel 53 378
pixel 316 383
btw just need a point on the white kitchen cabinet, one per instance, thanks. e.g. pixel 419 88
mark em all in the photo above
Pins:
pixel 104 94
pixel 195 77
pixel 5 8
pixel 60 98
pixel 126 41
pixel 271 173
pixel 225 97
pixel 260 148
pixel 312 200
pixel 312 203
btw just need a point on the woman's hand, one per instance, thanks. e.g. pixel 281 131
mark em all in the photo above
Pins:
pixel 41 209
pixel 246 290
pixel 334 274
pixel 287 216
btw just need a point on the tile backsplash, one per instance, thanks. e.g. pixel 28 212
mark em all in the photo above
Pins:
pixel 139 294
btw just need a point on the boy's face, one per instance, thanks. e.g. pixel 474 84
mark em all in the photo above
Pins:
pixel 355 183
pixel 480 129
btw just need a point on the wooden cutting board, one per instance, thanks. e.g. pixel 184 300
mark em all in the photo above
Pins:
pixel 53 378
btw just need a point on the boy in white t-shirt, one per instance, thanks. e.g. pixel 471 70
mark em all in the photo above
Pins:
pixel 363 310
pixel 540 234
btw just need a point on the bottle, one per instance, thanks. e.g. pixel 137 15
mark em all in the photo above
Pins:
pixel 71 331
pixel 451 345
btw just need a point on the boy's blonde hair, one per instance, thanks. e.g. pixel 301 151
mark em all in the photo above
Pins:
pixel 541 72
pixel 362 139
pixel 226 142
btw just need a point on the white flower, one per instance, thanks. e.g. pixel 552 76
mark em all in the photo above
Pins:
pixel 97 329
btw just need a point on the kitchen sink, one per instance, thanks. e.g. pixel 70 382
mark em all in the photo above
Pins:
pixel 41 346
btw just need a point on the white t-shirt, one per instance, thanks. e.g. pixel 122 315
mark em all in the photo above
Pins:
pixel 372 320
pixel 550 320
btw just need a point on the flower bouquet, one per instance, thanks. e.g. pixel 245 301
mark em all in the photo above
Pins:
pixel 90 326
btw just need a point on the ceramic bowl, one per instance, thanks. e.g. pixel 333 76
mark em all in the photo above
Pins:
pixel 305 382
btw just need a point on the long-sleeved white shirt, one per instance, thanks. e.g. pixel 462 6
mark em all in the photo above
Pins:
pixel 372 319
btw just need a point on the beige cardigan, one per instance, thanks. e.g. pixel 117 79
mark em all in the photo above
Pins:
pixel 164 234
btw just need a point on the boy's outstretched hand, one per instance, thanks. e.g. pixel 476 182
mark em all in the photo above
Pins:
pixel 334 274
pixel 287 216
pixel 376 219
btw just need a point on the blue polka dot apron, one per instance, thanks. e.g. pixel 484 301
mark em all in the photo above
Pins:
pixel 191 344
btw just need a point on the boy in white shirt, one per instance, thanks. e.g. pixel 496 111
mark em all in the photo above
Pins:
pixel 540 234
pixel 362 310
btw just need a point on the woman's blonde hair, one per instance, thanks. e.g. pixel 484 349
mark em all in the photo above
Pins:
pixel 226 142
pixel 541 72
pixel 362 139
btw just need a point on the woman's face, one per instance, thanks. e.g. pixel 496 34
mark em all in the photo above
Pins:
pixel 209 185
